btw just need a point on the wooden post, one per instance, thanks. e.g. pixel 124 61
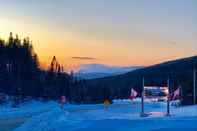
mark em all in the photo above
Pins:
pixel 142 99
pixel 168 99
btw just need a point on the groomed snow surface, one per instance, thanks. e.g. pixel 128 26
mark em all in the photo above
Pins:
pixel 122 115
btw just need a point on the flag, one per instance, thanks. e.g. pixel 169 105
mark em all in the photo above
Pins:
pixel 176 94
pixel 133 94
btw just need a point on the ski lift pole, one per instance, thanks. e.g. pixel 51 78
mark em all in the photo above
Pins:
pixel 142 99
pixel 194 84
pixel 168 98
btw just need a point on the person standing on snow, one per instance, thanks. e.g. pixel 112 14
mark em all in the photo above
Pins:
pixel 106 104
pixel 62 102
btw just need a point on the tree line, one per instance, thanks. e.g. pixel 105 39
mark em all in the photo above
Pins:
pixel 22 77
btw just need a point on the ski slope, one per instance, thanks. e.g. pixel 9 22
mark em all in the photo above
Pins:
pixel 120 116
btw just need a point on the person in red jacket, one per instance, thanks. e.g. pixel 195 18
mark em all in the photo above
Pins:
pixel 63 101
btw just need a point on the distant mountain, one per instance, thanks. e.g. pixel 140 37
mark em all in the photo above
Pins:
pixel 91 71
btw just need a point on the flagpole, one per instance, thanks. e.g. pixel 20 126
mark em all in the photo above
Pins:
pixel 181 93
pixel 142 99
pixel 168 99
pixel 194 83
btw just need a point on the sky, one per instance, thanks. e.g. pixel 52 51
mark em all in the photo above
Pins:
pixel 112 32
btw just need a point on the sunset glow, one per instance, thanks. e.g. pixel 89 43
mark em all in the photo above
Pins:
pixel 125 33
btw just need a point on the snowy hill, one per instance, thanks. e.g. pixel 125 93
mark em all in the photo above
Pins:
pixel 91 71
pixel 181 70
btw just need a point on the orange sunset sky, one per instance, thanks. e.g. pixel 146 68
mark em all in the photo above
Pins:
pixel 112 32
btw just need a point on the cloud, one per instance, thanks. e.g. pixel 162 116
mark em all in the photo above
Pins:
pixel 172 42
pixel 84 58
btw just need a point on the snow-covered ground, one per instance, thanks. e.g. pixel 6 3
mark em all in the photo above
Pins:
pixel 120 116
pixel 27 109
pixel 11 118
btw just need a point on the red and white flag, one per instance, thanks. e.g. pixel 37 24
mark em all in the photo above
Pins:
pixel 176 94
pixel 133 94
